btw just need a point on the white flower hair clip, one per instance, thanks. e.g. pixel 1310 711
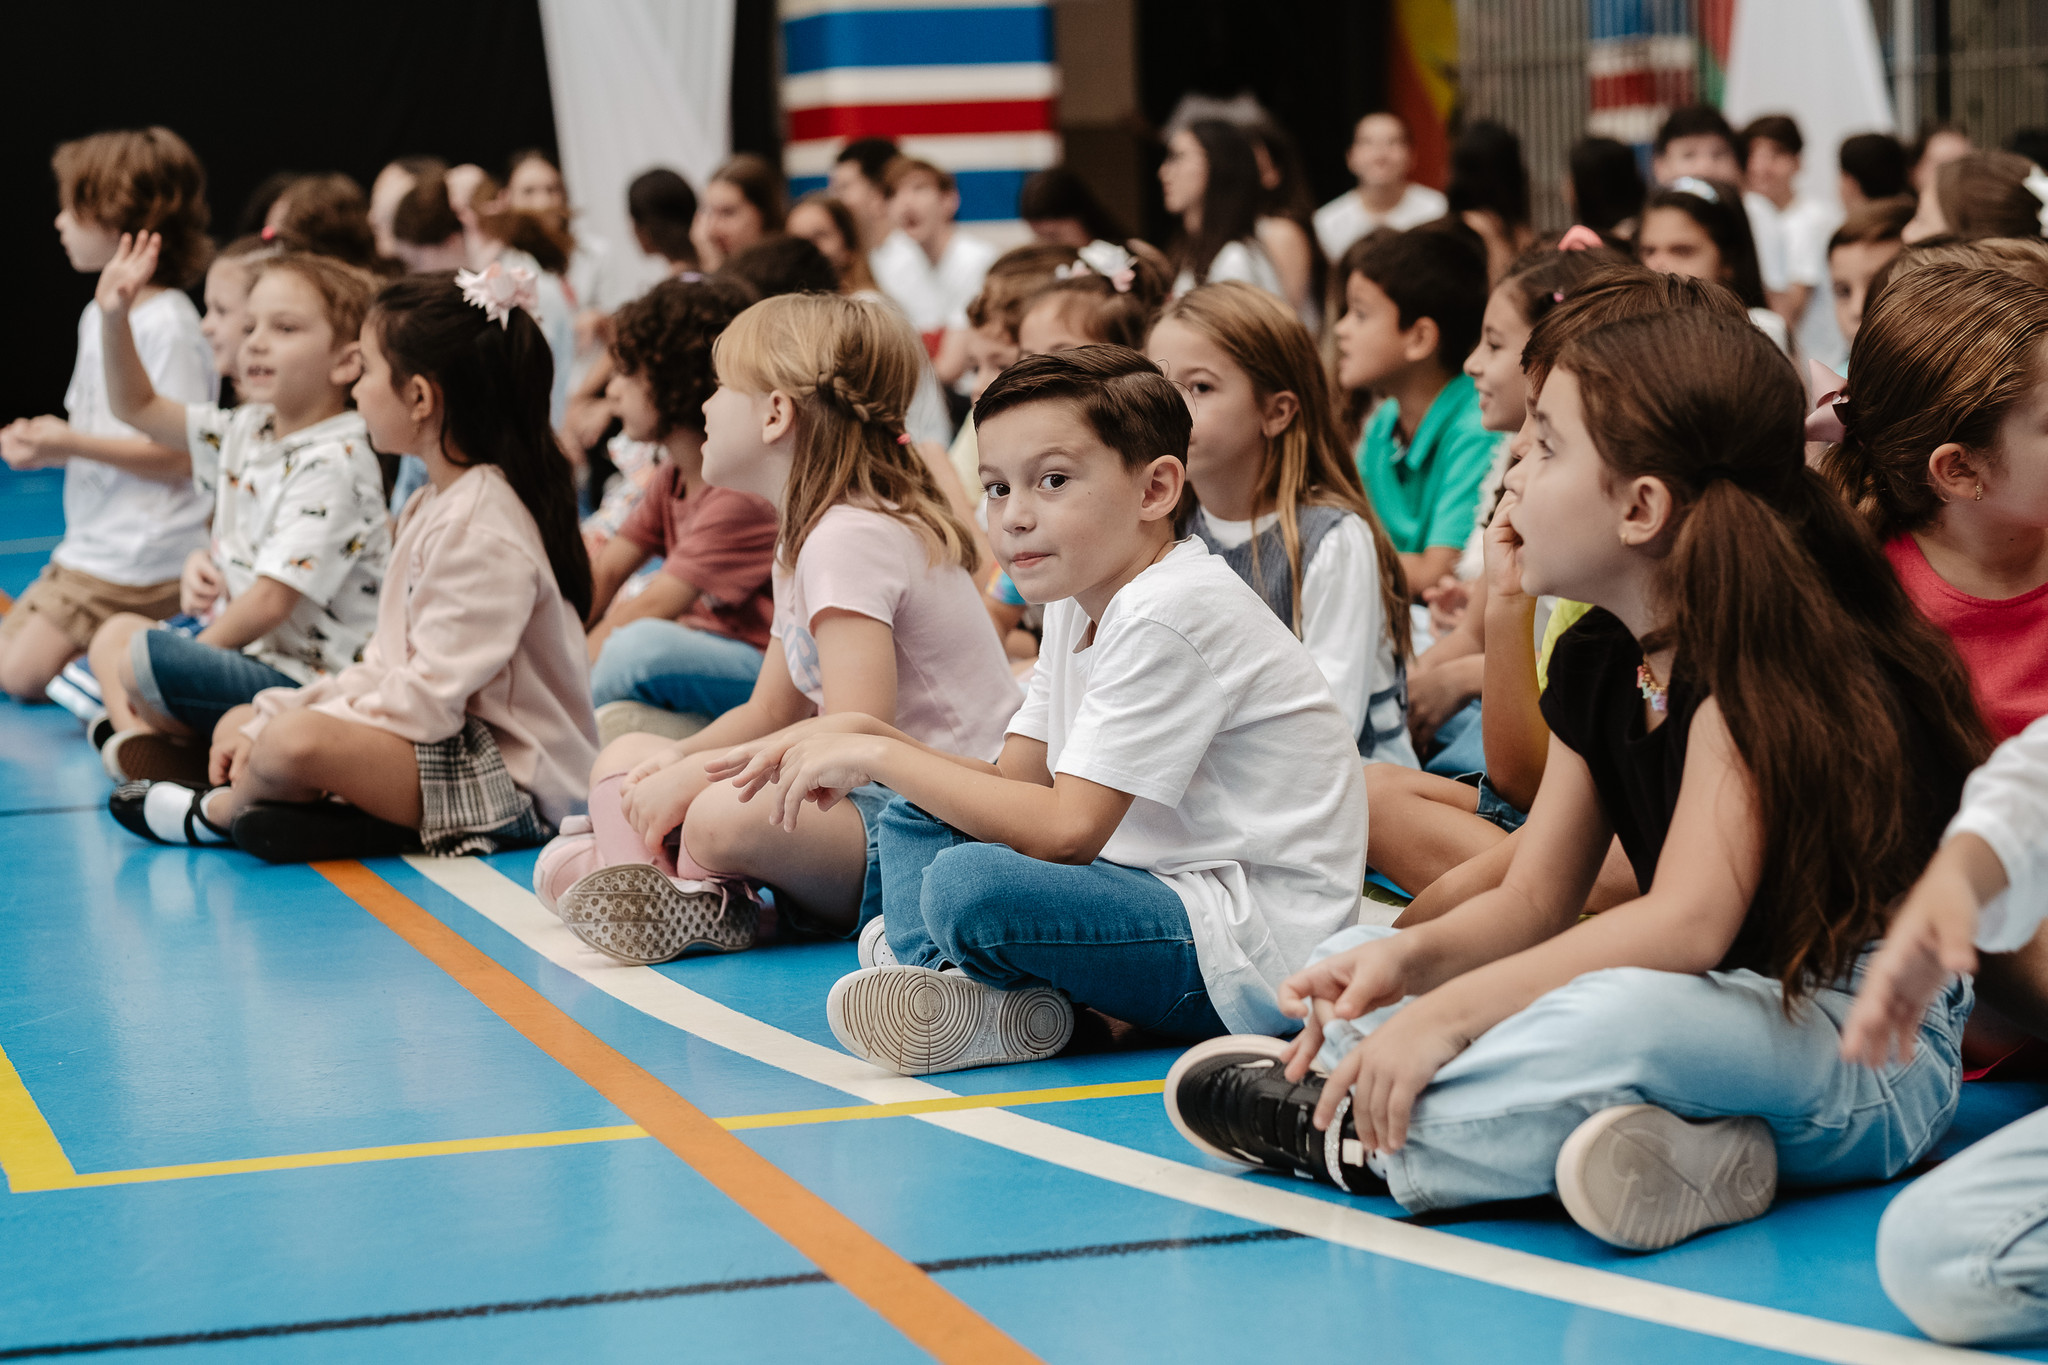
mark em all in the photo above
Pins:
pixel 498 289
pixel 1106 259
pixel 2037 185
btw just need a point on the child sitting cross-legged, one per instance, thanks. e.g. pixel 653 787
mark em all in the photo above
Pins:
pixel 688 646
pixel 1174 817
pixel 300 538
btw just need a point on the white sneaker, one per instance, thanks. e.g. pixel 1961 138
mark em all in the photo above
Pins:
pixel 1643 1178
pixel 617 718
pixel 873 950
pixel 915 1021
pixel 639 914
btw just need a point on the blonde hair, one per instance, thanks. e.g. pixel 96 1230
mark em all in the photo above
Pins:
pixel 851 367
pixel 1306 464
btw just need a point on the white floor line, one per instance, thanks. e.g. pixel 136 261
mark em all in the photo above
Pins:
pixel 514 909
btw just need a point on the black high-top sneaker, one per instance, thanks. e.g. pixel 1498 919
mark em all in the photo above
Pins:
pixel 1231 1098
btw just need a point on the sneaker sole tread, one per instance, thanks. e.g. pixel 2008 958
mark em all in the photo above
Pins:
pixel 917 1021
pixel 636 914
pixel 1642 1178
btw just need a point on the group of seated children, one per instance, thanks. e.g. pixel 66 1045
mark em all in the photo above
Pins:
pixel 1732 694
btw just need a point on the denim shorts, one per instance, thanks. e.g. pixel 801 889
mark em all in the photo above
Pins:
pixel 1492 805
pixel 869 801
pixel 196 684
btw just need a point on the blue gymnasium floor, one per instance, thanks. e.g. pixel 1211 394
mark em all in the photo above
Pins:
pixel 389 1113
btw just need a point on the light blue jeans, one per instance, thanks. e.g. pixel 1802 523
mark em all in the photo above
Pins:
pixel 665 664
pixel 1964 1250
pixel 1492 1122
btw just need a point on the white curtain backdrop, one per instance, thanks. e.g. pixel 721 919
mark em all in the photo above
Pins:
pixel 636 84
pixel 1817 60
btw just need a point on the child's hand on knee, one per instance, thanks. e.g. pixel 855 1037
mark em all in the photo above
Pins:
pixel 665 757
pixel 657 803
pixel 1346 985
pixel 229 751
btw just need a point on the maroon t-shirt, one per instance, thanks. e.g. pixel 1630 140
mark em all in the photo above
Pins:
pixel 720 542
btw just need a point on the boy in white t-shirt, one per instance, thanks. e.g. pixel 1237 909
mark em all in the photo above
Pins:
pixel 1381 158
pixel 1174 817
pixel 130 512
pixel 927 265
pixel 300 539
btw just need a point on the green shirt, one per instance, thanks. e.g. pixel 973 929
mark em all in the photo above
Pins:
pixel 1427 492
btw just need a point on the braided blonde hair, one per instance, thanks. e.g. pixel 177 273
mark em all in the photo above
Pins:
pixel 852 367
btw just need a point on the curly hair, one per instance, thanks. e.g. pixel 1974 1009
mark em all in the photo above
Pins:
pixel 141 180
pixel 665 335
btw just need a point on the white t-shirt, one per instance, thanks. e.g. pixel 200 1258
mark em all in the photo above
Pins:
pixel 1769 236
pixel 120 526
pixel 1241 260
pixel 1768 322
pixel 1345 219
pixel 934 297
pixel 954 689
pixel 1344 626
pixel 305 509
pixel 1808 224
pixel 1250 799
pixel 2005 803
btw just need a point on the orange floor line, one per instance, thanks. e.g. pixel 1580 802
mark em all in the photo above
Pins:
pixel 904 1295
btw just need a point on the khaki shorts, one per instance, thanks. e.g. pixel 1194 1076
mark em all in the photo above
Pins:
pixel 79 604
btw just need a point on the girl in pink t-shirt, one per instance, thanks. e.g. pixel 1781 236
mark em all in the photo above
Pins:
pixel 1944 451
pixel 876 611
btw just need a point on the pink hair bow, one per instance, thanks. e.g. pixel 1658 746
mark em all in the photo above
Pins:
pixel 1106 259
pixel 498 289
pixel 1579 237
pixel 1824 423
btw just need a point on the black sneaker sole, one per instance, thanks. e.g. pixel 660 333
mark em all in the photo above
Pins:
pixel 318 831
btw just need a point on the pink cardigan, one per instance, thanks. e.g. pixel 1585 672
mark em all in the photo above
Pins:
pixel 470 622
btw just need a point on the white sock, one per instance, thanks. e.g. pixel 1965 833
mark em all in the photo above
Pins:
pixel 164 810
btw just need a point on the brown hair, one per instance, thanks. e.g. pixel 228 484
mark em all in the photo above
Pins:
pixel 901 168
pixel 1984 194
pixel 329 214
pixel 141 180
pixel 1305 465
pixel 856 276
pixel 346 293
pixel 1543 276
pixel 424 216
pixel 1018 276
pixel 2024 258
pixel 1783 608
pixel 760 184
pixel 1880 220
pixel 1104 313
pixel 1611 295
pixel 851 367
pixel 1129 405
pixel 666 335
pixel 1922 381
pixel 538 235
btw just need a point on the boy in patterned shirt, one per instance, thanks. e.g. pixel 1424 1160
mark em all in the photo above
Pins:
pixel 300 538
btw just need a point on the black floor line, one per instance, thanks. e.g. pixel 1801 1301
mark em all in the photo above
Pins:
pixel 677 1291
pixel 53 810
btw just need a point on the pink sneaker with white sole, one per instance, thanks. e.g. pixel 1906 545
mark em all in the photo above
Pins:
pixel 568 858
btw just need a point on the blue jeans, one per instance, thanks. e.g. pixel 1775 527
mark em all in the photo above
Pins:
pixel 1963 1251
pixel 196 684
pixel 1109 936
pixel 1459 745
pixel 674 667
pixel 1491 1124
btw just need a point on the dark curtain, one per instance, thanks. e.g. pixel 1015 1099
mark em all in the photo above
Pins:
pixel 255 89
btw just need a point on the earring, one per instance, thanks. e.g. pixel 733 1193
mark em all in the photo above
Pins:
pixel 1980 493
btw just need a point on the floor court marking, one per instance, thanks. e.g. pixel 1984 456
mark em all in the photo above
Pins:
pixel 675 1291
pixel 34 1161
pixel 54 810
pixel 905 1297
pixel 513 908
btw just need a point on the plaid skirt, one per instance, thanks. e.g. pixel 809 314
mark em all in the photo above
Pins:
pixel 469 802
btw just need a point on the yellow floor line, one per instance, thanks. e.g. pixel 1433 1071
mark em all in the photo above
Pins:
pixel 35 1162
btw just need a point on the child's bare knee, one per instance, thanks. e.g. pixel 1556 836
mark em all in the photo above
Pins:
pixel 288 746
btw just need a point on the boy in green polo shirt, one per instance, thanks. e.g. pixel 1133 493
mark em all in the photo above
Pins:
pixel 1412 305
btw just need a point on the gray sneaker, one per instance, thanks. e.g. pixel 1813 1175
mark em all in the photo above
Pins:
pixel 1643 1178
pixel 617 718
pixel 873 950
pixel 639 914
pixel 915 1021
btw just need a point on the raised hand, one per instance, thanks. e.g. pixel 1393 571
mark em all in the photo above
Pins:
pixel 133 267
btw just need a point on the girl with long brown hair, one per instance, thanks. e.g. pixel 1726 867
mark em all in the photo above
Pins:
pixel 1281 501
pixel 1777 737
pixel 875 612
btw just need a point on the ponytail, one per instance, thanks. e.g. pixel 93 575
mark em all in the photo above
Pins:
pixel 1784 610
pixel 495 381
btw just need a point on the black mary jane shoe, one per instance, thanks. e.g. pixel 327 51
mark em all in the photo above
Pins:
pixel 128 805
